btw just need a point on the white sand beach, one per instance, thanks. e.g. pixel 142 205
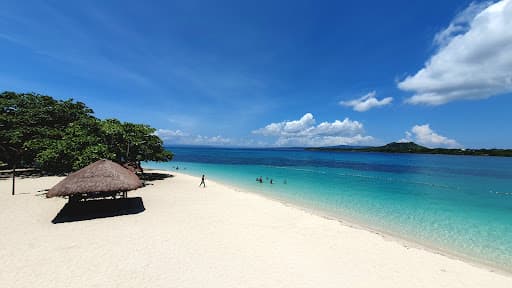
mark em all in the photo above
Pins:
pixel 213 237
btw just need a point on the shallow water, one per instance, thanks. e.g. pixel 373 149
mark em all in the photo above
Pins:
pixel 462 204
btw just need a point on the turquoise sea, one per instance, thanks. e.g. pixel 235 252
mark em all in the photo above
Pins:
pixel 461 205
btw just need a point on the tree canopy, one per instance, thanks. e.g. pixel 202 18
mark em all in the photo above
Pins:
pixel 133 142
pixel 61 136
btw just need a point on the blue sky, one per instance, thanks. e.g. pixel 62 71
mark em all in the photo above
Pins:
pixel 273 73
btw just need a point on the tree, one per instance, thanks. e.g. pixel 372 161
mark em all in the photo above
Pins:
pixel 130 142
pixel 80 145
pixel 62 136
pixel 29 120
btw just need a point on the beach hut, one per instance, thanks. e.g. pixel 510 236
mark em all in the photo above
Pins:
pixel 102 178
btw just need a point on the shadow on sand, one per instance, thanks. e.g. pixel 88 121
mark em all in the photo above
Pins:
pixel 153 176
pixel 21 173
pixel 103 208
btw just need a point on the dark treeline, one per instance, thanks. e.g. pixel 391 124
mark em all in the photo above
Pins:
pixel 59 136
pixel 411 147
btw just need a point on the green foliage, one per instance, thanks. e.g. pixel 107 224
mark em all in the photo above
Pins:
pixel 27 118
pixel 411 147
pixel 80 144
pixel 61 136
pixel 133 142
pixel 399 147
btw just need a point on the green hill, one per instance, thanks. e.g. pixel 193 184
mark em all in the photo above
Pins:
pixel 396 147
pixel 411 147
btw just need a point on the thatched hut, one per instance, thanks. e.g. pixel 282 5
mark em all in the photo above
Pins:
pixel 102 178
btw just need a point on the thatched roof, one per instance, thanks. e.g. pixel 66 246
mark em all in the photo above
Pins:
pixel 99 177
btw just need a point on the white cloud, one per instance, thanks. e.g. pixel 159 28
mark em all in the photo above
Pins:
pixel 408 138
pixel 299 125
pixel 474 59
pixel 304 132
pixel 319 141
pixel 215 140
pixel 345 127
pixel 424 135
pixel 288 127
pixel 169 134
pixel 180 137
pixel 367 102
pixel 460 24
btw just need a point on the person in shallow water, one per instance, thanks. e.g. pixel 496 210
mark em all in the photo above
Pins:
pixel 202 182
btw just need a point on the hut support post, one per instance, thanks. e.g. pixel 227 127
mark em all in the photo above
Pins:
pixel 13 177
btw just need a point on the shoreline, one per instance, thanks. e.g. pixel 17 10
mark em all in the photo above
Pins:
pixel 351 223
pixel 218 236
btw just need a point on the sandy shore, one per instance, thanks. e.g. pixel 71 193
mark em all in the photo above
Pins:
pixel 213 237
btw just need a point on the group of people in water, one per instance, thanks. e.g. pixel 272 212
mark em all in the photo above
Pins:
pixel 260 180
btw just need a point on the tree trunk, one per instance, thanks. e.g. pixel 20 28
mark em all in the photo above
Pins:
pixel 140 167
pixel 127 153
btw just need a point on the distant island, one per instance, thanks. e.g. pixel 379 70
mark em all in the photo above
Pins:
pixel 411 147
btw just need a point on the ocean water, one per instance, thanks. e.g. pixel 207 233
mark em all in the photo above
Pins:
pixel 457 204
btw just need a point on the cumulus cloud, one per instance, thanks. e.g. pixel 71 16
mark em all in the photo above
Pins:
pixel 460 24
pixel 367 102
pixel 169 134
pixel 424 135
pixel 215 140
pixel 473 60
pixel 318 141
pixel 180 137
pixel 305 132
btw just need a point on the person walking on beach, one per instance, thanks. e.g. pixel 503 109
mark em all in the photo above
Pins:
pixel 202 182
